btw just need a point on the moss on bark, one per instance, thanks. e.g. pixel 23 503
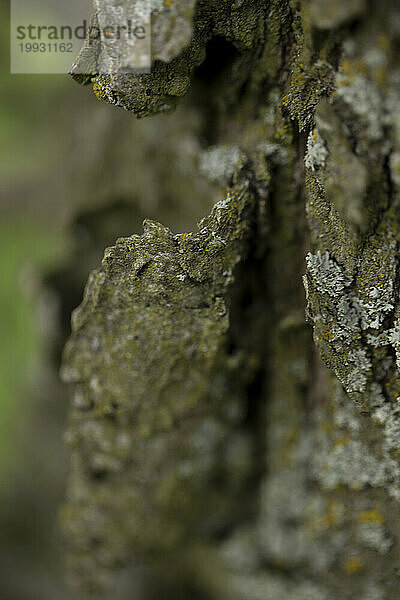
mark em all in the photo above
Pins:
pixel 194 378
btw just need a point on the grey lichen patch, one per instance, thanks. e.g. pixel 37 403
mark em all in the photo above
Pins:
pixel 394 339
pixel 345 458
pixel 298 525
pixel 317 151
pixel 218 163
pixel 350 464
pixel 148 354
pixel 360 364
pixel 386 414
pixel 350 330
pixel 375 536
pixel 329 277
pixel 243 562
pixel 342 462
pixel 346 317
pixel 279 507
pixel 374 311
pixel 323 469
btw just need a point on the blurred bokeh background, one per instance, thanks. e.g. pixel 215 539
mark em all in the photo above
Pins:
pixel 35 114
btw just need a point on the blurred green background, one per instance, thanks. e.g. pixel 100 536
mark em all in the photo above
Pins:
pixel 36 114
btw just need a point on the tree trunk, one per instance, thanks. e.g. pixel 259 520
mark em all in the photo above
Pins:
pixel 217 450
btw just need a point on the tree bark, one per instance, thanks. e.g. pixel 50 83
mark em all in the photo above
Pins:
pixel 219 449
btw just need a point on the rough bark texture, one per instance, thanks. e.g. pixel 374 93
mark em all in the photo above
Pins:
pixel 216 449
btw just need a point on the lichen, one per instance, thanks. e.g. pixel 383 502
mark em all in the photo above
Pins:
pixel 345 458
pixel 317 151
pixel 180 32
pixel 375 536
pixel 394 339
pixel 329 277
pixel 148 354
pixel 218 163
pixel 175 399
